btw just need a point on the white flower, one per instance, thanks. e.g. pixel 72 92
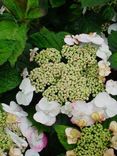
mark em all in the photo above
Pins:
pixel 72 135
pixel 82 113
pixel 15 109
pixel 33 52
pixel 104 69
pixel 20 142
pixel 46 111
pixel 82 121
pixel 81 108
pixel 112 27
pixel 103 52
pixel 67 109
pixel 24 74
pixel 92 37
pixel 24 97
pixel 111 87
pixel 106 103
pixel 15 152
pixel 37 141
pixel 2 9
pixel 70 40
pixel 30 152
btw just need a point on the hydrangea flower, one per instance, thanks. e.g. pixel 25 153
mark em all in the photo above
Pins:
pixel 106 103
pixel 33 52
pixel 67 109
pixel 14 109
pixel 112 27
pixel 104 69
pixel 2 9
pixel 111 87
pixel 92 37
pixel 36 141
pixel 15 152
pixel 31 153
pixel 109 152
pixel 70 40
pixel 103 52
pixel 24 97
pixel 113 127
pixel 19 141
pixel 72 135
pixel 46 111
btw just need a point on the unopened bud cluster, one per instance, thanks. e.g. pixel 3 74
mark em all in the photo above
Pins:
pixel 5 140
pixel 93 142
pixel 69 75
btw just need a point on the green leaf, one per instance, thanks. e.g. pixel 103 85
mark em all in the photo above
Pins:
pixel 31 4
pixel 112 40
pixel 9 78
pixel 107 122
pixel 91 3
pixel 48 39
pixel 35 13
pixel 60 130
pixel 6 49
pixel 14 8
pixel 113 60
pixel 108 13
pixel 57 3
pixel 11 31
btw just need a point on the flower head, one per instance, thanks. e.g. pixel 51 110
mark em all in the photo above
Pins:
pixel 111 87
pixel 15 152
pixel 25 96
pixel 103 52
pixel 46 111
pixel 106 103
pixel 92 37
pixel 72 135
pixel 114 142
pixel 70 153
pixel 113 127
pixel 109 152
pixel 104 69
pixel 112 27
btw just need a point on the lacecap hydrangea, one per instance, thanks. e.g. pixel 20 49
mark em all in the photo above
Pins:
pixel 69 75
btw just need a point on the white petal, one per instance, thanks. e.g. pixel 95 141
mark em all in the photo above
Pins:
pixel 26 86
pixel 17 140
pixel 111 112
pixel 102 99
pixel 31 152
pixel 103 52
pixel 44 118
pixel 24 99
pixel 15 109
pixel 67 109
pixel 52 108
pixel 81 108
pixel 111 87
pixel 96 39
pixel 24 125
pixel 112 27
pixel 83 38
pixel 69 40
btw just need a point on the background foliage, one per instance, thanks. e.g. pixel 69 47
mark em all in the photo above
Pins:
pixel 44 23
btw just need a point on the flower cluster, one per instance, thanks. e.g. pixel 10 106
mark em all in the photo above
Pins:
pixel 5 140
pixel 94 140
pixel 16 132
pixel 103 106
pixel 70 75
